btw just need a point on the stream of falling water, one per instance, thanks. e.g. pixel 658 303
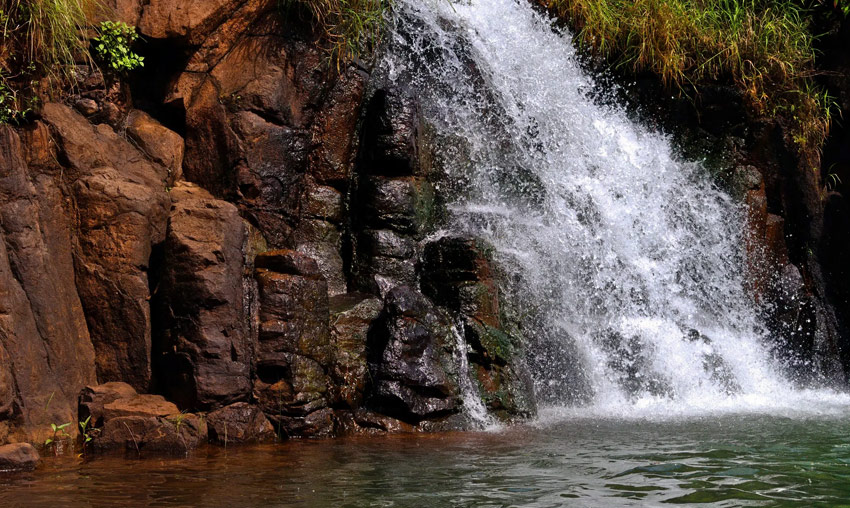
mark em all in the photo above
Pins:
pixel 625 261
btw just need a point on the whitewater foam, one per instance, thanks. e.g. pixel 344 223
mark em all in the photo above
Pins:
pixel 627 260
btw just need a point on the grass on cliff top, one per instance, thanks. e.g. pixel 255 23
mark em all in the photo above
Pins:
pixel 353 28
pixel 764 46
pixel 40 38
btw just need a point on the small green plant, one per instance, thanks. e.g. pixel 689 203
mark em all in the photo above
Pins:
pixel 113 46
pixel 84 433
pixel 8 111
pixel 59 433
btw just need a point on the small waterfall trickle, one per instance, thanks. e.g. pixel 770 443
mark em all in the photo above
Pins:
pixel 628 261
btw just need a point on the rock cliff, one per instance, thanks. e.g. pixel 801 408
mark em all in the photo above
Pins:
pixel 238 228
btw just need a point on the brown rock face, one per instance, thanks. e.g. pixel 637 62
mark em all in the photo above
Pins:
pixel 45 349
pixel 269 125
pixel 205 345
pixel 183 19
pixel 293 349
pixel 18 457
pixel 161 144
pixel 122 208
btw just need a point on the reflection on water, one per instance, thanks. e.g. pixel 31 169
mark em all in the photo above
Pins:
pixel 728 461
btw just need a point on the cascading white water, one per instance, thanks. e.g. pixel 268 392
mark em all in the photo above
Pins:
pixel 627 261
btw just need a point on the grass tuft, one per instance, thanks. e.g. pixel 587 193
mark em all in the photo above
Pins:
pixel 41 39
pixel 764 46
pixel 353 28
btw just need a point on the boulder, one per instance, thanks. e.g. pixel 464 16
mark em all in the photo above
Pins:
pixel 239 423
pixel 175 434
pixel 18 457
pixel 121 419
pixel 205 344
pixel 413 359
pixel 140 405
pixel 159 142
pixel 94 398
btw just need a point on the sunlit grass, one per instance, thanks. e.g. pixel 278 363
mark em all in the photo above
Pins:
pixel 352 27
pixel 764 46
pixel 40 39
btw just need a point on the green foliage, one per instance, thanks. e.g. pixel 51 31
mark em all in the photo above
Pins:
pixel 45 35
pixel 352 27
pixel 41 41
pixel 84 430
pixel 58 433
pixel 764 46
pixel 113 44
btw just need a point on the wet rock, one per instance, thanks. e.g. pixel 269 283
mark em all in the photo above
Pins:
pixel 322 240
pixel 392 127
pixel 205 345
pixel 239 423
pixel 365 422
pixel 403 204
pixel 630 359
pixel 160 143
pixel 745 179
pixel 352 316
pixel 412 359
pixel 293 350
pixel 333 132
pixel 457 273
pixel 18 457
pixel 394 203
pixel 319 423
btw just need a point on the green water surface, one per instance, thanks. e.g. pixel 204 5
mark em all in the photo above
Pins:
pixel 722 461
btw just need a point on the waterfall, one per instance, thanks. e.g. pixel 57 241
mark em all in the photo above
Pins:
pixel 625 261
